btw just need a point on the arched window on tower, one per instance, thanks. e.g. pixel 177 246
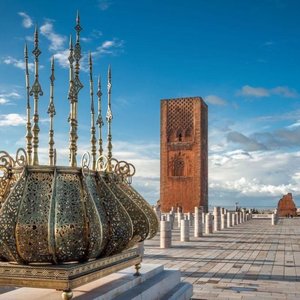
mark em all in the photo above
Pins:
pixel 178 167
pixel 179 135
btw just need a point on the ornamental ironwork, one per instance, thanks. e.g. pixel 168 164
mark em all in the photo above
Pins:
pixel 68 213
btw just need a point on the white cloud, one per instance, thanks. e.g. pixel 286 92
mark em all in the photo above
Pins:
pixel 5 98
pixel 11 95
pixel 104 4
pixel 259 174
pixel 56 40
pixel 215 100
pixel 285 92
pixel 248 90
pixel 62 58
pixel 110 47
pixel 18 63
pixel 27 21
pixel 3 101
pixel 259 92
pixel 268 43
pixel 294 125
pixel 12 120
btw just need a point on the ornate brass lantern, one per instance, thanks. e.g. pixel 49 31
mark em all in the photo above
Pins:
pixel 53 215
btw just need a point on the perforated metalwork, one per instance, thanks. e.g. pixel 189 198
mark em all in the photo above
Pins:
pixel 32 224
pixel 8 219
pixel 137 216
pixel 119 223
pixel 70 224
pixel 144 206
pixel 98 228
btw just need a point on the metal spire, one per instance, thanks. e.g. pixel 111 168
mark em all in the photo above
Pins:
pixel 76 87
pixel 100 122
pixel 71 119
pixel 36 91
pixel 28 124
pixel 109 118
pixel 51 112
pixel 93 129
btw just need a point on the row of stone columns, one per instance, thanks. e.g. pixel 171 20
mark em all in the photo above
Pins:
pixel 221 219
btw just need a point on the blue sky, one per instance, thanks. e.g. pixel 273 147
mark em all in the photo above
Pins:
pixel 242 57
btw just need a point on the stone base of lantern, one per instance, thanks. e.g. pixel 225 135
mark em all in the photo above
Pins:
pixel 66 277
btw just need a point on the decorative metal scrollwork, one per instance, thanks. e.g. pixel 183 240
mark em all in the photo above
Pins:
pixel 21 158
pixel 85 163
pixel 122 168
pixel 6 165
pixel 125 170
pixel 102 163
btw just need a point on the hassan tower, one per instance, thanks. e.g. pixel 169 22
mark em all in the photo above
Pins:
pixel 184 163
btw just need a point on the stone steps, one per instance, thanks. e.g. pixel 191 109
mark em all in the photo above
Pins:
pixel 165 285
pixel 154 283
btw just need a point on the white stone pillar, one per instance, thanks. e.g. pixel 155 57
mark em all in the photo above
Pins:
pixel 172 210
pixel 165 234
pixel 217 218
pixel 208 223
pixel 274 221
pixel 235 222
pixel 241 217
pixel 179 218
pixel 185 231
pixel 190 218
pixel 170 218
pixel 223 221
pixel 198 222
pixel 244 215
pixel 229 219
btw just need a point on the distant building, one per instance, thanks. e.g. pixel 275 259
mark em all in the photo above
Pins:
pixel 286 206
pixel 184 159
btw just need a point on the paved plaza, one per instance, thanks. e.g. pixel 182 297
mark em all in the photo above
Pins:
pixel 252 260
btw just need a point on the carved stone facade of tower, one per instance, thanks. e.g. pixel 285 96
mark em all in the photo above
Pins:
pixel 184 159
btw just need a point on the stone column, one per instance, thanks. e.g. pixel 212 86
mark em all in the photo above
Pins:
pixel 229 219
pixel 235 218
pixel 172 211
pixel 190 218
pixel 274 219
pixel 217 218
pixel 170 218
pixel 179 218
pixel 223 221
pixel 185 231
pixel 198 222
pixel 244 215
pixel 165 234
pixel 208 223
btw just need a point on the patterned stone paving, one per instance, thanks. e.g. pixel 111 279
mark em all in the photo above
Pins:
pixel 252 260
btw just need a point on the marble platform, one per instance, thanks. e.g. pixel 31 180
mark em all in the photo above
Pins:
pixel 155 282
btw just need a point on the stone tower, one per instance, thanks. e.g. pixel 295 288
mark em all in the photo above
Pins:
pixel 184 163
